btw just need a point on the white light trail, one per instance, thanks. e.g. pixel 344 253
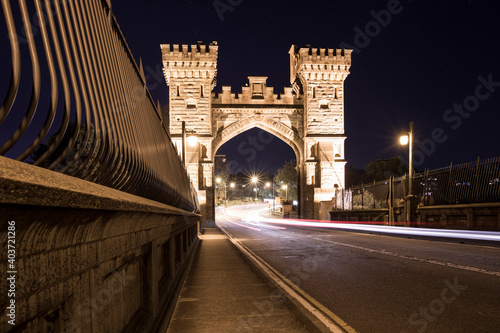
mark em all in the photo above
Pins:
pixel 256 215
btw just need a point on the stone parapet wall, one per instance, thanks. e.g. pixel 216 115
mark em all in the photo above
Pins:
pixel 89 258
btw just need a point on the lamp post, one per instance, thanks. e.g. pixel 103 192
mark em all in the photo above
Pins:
pixel 231 185
pixel 407 139
pixel 285 187
pixel 268 184
pixel 254 181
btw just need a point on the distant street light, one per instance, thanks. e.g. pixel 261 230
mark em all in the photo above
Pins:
pixel 254 181
pixel 285 187
pixel 268 184
pixel 407 139
pixel 232 185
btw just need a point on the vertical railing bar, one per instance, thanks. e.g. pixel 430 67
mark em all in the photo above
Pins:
pixel 54 90
pixel 74 84
pixel 494 176
pixel 126 83
pixel 485 190
pixel 468 170
pixel 106 153
pixel 108 174
pixel 81 82
pixel 15 76
pixel 459 175
pixel 120 105
pixel 131 134
pixel 487 174
pixel 462 190
pixel 132 112
pixel 470 182
pixel 67 99
pixel 35 93
pixel 449 195
pixel 118 174
pixel 92 160
pixel 141 130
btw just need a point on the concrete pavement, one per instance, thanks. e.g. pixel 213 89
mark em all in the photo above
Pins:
pixel 223 292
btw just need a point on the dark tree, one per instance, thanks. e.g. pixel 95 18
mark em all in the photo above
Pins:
pixel 287 175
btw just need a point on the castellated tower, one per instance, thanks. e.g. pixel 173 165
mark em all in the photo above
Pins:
pixel 191 74
pixel 319 77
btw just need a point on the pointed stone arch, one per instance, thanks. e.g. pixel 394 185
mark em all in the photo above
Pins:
pixel 278 129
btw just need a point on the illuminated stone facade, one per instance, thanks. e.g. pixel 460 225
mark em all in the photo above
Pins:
pixel 308 116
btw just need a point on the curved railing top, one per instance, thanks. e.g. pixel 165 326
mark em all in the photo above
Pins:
pixel 81 105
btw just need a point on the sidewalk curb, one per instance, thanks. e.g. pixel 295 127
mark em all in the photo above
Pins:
pixel 313 314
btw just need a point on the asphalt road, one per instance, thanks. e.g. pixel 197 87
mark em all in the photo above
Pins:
pixel 379 283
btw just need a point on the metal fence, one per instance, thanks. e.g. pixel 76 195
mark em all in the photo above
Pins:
pixel 473 182
pixel 80 105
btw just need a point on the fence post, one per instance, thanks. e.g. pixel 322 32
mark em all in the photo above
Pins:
pixel 362 199
pixel 373 194
pixel 449 183
pixel 426 189
pixel 390 201
pixel 343 205
pixel 476 185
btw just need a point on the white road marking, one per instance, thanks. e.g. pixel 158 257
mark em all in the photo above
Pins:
pixel 403 256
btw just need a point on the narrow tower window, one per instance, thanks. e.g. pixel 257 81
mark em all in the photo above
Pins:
pixel 178 91
pixel 201 89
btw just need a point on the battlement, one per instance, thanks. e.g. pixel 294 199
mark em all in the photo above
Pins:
pixel 196 62
pixel 321 55
pixel 184 52
pixel 256 93
pixel 330 64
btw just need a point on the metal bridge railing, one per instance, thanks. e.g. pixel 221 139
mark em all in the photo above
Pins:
pixel 80 105
pixel 474 182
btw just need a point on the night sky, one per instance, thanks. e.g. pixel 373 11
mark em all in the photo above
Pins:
pixel 420 64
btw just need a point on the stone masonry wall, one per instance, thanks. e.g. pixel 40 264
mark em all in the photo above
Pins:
pixel 89 258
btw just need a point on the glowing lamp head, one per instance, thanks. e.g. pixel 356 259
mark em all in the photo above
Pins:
pixel 192 141
pixel 403 140
pixel 218 180
pixel 268 184
pixel 232 185
pixel 284 187
pixel 254 180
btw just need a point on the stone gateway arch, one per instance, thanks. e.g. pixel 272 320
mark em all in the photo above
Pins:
pixel 308 116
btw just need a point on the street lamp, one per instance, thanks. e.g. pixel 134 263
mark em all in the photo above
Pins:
pixel 268 184
pixel 254 181
pixel 407 139
pixel 285 187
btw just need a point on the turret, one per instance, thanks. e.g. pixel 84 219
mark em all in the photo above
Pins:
pixel 191 74
pixel 320 76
